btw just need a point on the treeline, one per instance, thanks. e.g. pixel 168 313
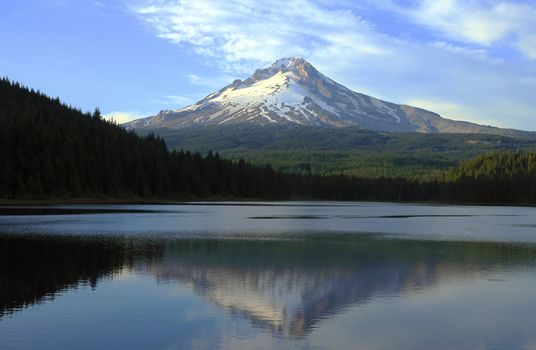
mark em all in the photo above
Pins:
pixel 36 268
pixel 51 150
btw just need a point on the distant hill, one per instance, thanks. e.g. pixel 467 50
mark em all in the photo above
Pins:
pixel 292 92
pixel 351 151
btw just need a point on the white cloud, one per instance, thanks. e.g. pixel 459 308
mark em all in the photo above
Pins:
pixel 245 33
pixel 527 44
pixel 174 101
pixel 122 117
pixel 181 100
pixel 480 22
pixel 479 53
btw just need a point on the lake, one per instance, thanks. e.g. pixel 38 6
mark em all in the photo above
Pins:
pixel 266 275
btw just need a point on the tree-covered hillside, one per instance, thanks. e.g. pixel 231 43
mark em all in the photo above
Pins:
pixel 504 177
pixel 349 151
pixel 48 149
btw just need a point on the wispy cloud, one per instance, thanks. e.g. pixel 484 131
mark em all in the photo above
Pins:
pixel 174 101
pixel 122 117
pixel 246 33
pixel 484 22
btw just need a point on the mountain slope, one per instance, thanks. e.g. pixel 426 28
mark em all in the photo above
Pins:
pixel 292 92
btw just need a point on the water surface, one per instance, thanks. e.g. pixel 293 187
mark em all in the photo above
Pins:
pixel 268 275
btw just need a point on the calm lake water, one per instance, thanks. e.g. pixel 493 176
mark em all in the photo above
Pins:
pixel 303 275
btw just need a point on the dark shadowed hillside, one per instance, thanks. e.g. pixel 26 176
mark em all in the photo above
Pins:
pixel 49 149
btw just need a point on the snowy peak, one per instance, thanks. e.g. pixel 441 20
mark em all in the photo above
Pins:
pixel 288 62
pixel 293 91
pixel 295 67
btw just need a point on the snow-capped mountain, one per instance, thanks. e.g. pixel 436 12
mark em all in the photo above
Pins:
pixel 292 91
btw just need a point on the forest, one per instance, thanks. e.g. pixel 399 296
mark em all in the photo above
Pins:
pixel 52 150
pixel 348 151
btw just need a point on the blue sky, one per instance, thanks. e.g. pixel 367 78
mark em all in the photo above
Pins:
pixel 473 60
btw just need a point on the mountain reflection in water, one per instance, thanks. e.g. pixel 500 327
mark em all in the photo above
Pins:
pixel 285 286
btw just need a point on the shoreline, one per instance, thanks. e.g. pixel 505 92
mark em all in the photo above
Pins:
pixel 219 200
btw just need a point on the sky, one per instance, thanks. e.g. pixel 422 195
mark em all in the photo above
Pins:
pixel 471 60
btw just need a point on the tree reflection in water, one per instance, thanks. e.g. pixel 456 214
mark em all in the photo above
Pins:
pixel 283 285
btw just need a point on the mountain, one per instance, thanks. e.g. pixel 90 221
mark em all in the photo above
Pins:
pixel 293 92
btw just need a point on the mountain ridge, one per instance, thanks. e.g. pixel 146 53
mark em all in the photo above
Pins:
pixel 291 91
